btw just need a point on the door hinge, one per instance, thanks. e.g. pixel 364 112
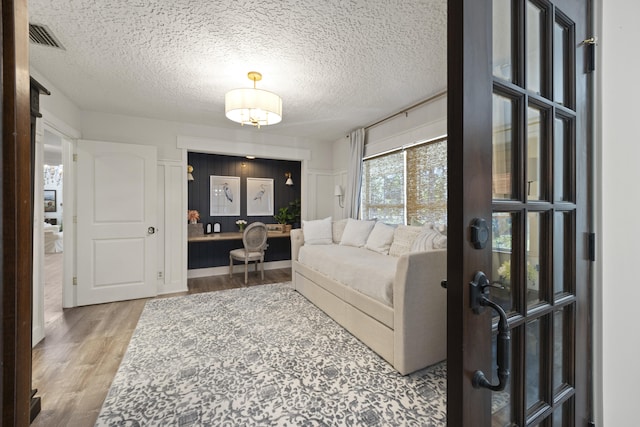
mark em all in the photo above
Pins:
pixel 591 43
pixel 75 281
pixel 75 157
pixel 592 247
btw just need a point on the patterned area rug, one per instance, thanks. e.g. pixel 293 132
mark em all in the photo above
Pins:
pixel 261 356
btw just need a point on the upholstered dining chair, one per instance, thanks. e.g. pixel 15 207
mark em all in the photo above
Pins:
pixel 254 240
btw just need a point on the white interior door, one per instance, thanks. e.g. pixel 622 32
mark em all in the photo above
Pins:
pixel 116 221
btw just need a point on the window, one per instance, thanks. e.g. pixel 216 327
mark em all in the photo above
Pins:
pixel 407 186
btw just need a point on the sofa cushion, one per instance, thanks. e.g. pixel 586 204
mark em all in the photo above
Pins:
pixel 380 238
pixel 337 229
pixel 356 232
pixel 317 232
pixel 365 271
pixel 403 239
pixel 429 239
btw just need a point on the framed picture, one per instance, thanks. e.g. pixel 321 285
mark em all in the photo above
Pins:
pixel 225 195
pixel 50 202
pixel 259 196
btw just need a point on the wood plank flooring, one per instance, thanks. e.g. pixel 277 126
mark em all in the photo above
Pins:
pixel 74 365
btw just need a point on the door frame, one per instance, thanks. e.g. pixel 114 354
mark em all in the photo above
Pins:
pixel 16 227
pixel 69 136
pixel 469 112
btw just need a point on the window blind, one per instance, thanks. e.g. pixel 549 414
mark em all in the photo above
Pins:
pixel 407 186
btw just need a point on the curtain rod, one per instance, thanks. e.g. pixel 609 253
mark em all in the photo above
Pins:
pixel 406 110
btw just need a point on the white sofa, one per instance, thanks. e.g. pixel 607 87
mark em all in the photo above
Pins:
pixel 405 321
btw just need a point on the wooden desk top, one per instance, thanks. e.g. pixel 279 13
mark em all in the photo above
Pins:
pixel 233 236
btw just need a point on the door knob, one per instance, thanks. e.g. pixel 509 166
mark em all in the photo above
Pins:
pixel 478 296
pixel 151 230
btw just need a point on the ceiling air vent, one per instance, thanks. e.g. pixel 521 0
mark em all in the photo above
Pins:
pixel 42 35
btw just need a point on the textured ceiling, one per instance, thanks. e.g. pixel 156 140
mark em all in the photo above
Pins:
pixel 337 64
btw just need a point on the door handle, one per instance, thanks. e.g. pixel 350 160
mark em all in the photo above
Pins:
pixel 479 291
pixel 151 230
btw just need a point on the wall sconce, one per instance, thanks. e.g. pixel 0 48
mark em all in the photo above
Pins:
pixel 190 173
pixel 337 191
pixel 289 180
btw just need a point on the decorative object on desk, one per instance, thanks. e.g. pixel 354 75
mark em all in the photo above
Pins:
pixel 195 230
pixel 241 224
pixel 193 216
pixel 208 229
pixel 50 204
pixel 259 196
pixel 275 227
pixel 216 227
pixel 283 216
pixel 190 173
pixel 225 195
pixel 295 209
pixel 289 180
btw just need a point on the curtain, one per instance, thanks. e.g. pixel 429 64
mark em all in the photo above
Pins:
pixel 354 174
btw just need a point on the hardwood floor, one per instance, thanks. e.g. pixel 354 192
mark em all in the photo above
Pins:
pixel 74 365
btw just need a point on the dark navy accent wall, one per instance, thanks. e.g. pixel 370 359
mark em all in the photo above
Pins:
pixel 214 254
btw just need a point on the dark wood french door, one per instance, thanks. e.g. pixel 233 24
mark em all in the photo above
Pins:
pixel 519 213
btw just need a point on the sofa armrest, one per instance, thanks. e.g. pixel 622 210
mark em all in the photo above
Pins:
pixel 420 310
pixel 297 240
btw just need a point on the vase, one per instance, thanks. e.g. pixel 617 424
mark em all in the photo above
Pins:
pixel 193 221
pixel 241 227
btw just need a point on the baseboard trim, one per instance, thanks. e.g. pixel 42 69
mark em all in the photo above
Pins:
pixel 219 271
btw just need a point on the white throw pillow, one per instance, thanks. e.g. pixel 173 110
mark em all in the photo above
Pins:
pixel 380 238
pixel 403 239
pixel 428 240
pixel 338 229
pixel 317 232
pixel 356 232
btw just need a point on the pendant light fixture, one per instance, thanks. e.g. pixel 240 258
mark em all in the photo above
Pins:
pixel 256 107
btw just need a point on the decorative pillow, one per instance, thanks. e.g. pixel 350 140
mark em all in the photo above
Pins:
pixel 380 238
pixel 338 229
pixel 428 240
pixel 403 239
pixel 317 232
pixel 356 232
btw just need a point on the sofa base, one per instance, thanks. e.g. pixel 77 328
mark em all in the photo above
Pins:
pixel 370 331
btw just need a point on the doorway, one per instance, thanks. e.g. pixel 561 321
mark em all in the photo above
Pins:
pixel 53 196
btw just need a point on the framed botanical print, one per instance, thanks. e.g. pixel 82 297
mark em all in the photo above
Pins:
pixel 259 196
pixel 224 195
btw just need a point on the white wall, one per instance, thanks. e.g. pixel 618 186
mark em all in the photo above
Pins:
pixel 618 203
pixel 64 109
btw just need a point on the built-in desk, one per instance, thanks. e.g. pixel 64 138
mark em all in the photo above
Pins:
pixel 233 236
pixel 212 250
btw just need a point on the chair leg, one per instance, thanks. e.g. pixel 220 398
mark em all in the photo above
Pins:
pixel 230 267
pixel 262 267
pixel 246 270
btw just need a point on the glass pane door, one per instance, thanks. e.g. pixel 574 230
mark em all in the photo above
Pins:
pixel 534 209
